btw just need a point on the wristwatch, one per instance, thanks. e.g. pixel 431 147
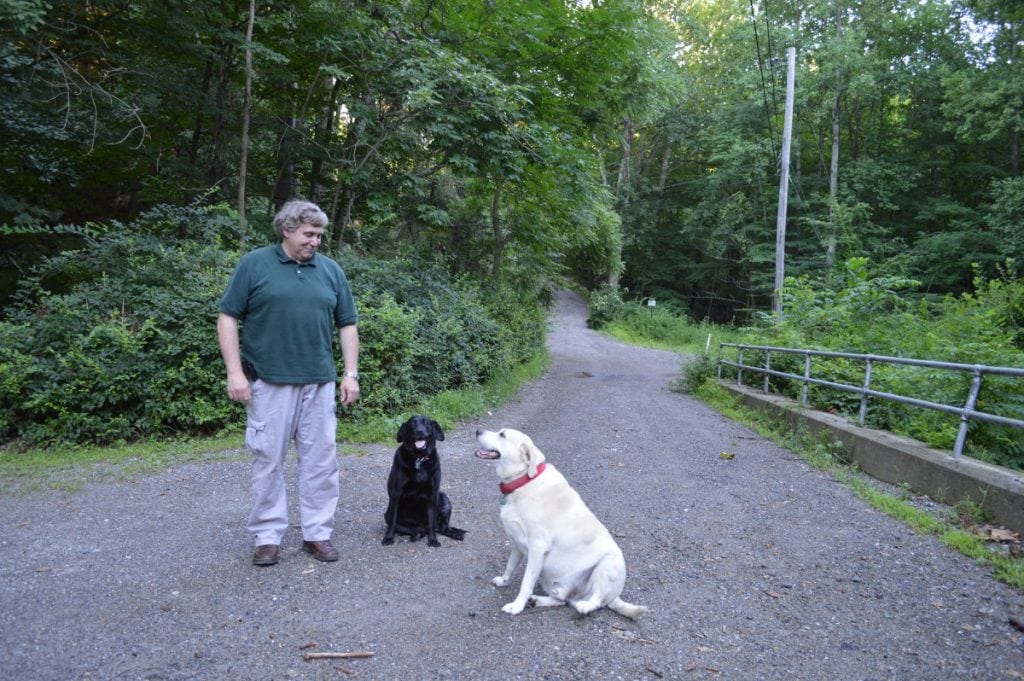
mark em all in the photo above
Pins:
pixel 352 374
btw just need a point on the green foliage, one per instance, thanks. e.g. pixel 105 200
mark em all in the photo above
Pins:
pixel 1006 215
pixel 114 341
pixel 641 142
pixel 425 333
pixel 117 341
pixel 695 373
pixel 661 323
pixel 603 306
pixel 927 133
pixel 875 315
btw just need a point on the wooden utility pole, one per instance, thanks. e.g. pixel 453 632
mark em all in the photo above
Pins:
pixel 780 221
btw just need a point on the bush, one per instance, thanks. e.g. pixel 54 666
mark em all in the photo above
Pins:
pixel 125 346
pixel 117 341
pixel 603 306
pixel 881 316
pixel 423 333
pixel 694 373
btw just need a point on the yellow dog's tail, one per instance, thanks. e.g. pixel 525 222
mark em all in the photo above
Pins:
pixel 633 612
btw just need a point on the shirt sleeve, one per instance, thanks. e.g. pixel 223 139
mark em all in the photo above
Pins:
pixel 345 311
pixel 235 301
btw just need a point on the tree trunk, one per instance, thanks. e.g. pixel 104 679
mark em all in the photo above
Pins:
pixel 342 212
pixel 833 170
pixel 833 190
pixel 198 127
pixel 217 172
pixel 285 183
pixel 666 161
pixel 1015 130
pixel 600 161
pixel 345 195
pixel 324 139
pixel 499 238
pixel 621 193
pixel 243 158
pixel 624 163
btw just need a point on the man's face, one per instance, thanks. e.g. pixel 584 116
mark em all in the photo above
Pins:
pixel 301 244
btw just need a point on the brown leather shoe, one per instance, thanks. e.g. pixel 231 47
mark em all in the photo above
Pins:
pixel 321 550
pixel 266 554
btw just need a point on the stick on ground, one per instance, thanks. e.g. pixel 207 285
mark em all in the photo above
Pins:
pixel 336 656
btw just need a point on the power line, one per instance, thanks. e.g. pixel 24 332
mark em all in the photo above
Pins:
pixel 760 68
pixel 771 53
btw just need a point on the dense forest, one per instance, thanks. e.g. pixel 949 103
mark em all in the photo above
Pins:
pixel 631 142
pixel 628 144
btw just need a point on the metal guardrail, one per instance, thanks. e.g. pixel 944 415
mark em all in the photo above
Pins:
pixel 966 412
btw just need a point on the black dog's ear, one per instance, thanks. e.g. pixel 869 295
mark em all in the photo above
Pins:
pixel 401 432
pixel 438 433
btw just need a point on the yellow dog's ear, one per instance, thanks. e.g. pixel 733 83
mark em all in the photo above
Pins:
pixel 532 456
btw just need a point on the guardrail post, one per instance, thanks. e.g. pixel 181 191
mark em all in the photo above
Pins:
pixel 865 388
pixel 739 369
pixel 972 399
pixel 807 376
pixel 767 368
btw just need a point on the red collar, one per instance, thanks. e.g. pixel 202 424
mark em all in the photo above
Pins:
pixel 512 486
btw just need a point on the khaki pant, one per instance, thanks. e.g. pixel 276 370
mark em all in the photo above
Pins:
pixel 277 415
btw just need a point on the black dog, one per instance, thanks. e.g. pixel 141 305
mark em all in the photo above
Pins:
pixel 416 504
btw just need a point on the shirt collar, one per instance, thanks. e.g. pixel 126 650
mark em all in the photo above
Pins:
pixel 286 259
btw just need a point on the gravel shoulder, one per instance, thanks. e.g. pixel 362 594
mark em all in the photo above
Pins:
pixel 758 567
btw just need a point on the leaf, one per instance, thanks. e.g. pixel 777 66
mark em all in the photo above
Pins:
pixel 1001 534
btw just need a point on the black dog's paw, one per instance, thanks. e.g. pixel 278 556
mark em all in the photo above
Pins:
pixel 433 542
pixel 453 532
pixel 387 541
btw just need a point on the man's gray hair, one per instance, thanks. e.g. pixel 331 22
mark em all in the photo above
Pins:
pixel 297 212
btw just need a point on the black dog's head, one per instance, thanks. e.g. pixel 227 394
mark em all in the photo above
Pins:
pixel 419 434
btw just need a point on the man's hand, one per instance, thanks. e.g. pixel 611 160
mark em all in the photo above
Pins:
pixel 238 387
pixel 349 390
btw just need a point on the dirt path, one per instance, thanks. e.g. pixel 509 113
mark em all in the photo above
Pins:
pixel 757 567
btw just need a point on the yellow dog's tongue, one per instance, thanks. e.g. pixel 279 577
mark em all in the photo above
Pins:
pixel 420 444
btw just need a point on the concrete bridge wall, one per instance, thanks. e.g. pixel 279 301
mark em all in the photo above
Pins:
pixel 902 460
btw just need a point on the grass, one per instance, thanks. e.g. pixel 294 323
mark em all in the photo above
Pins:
pixel 675 334
pixel 69 469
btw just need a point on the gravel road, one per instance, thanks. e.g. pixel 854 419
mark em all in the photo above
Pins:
pixel 758 567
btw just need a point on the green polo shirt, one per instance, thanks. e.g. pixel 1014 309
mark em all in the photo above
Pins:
pixel 289 313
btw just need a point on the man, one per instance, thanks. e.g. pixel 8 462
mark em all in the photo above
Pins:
pixel 289 299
